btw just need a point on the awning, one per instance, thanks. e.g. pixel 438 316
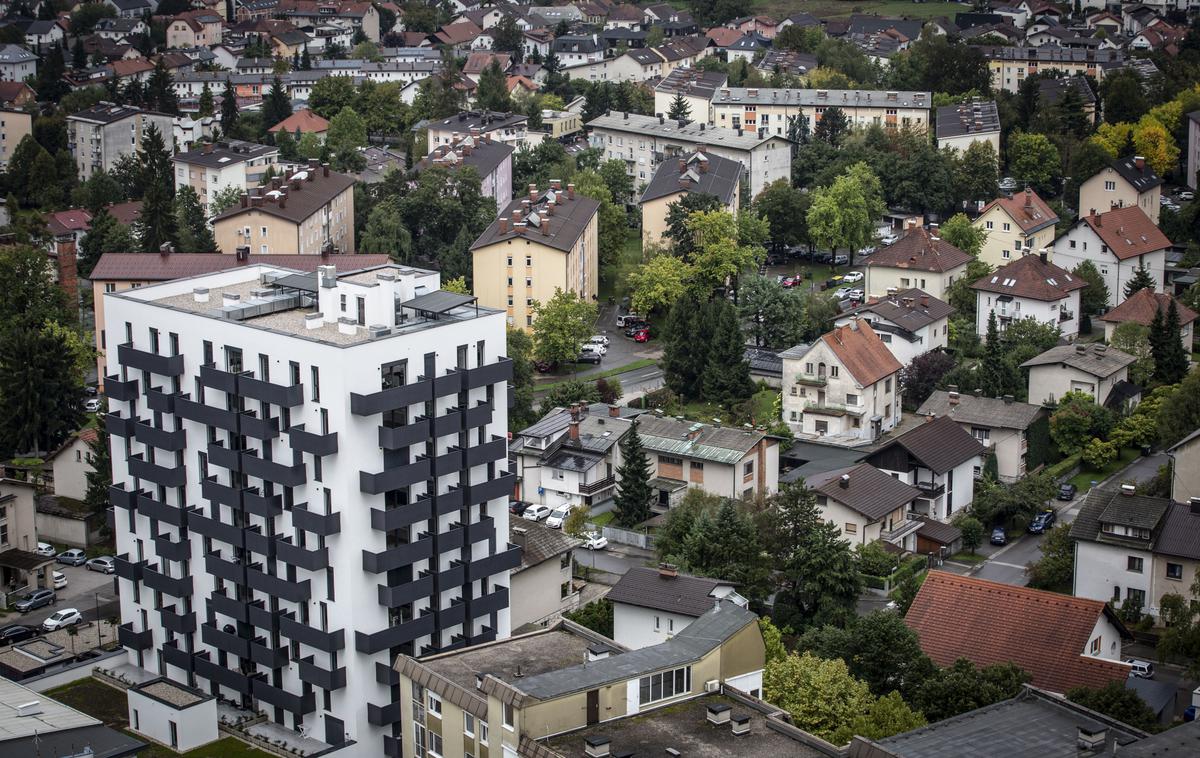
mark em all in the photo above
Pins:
pixel 24 560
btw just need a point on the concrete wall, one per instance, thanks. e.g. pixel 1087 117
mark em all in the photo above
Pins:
pixel 962 142
pixel 70 531
pixel 1161 584
pixel 19 515
pixel 535 593
pixel 182 729
pixel 1020 307
pixel 14 126
pixel 1102 570
pixel 1185 473
pixel 70 469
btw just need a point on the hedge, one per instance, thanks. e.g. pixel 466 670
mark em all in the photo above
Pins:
pixel 1063 467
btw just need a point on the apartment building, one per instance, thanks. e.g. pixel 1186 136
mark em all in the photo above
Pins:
pixel 1015 226
pixel 958 126
pixel 16 63
pixel 1124 182
pixel 310 478
pixel 771 111
pixel 509 128
pixel 492 160
pixel 1029 287
pixel 1119 243
pixel 644 142
pixel 1010 65
pixel 695 86
pixel 698 173
pixel 103 134
pixel 541 243
pixel 310 213
pixel 212 167
pixel 1003 425
pixel 14 126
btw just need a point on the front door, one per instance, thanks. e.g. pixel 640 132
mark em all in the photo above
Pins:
pixel 593 707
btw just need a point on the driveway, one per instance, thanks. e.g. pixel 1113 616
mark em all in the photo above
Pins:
pixel 85 590
pixel 615 559
pixel 622 351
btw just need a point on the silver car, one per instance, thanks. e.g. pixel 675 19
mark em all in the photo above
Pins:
pixel 105 564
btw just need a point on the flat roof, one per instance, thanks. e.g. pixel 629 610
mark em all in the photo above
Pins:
pixel 823 97
pixel 47 717
pixel 513 659
pixel 687 133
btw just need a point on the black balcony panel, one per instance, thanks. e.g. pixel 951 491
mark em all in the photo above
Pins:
pixel 455 615
pixel 394 636
pixel 203 413
pixel 143 640
pixel 453 382
pixel 325 641
pixel 394 597
pixel 165 547
pixel 398 556
pixel 478 416
pixel 450 422
pixel 219 455
pixel 452 538
pixel 317 523
pixel 394 478
pixel 215 492
pixel 262 505
pixel 496 600
pixel 385 674
pixel 118 425
pixel 166 514
pixel 390 399
pixel 225 605
pixel 258 428
pixel 401 516
pixel 393 747
pixel 218 379
pixel 400 437
pixel 263 653
pixel 384 715
pixel 500 486
pixel 167 476
pixel 297 703
pixel 259 615
pixel 450 500
pixel 175 587
pixel 312 442
pixel 450 462
pixel 216 529
pixel 127 569
pixel 163 439
pixel 455 575
pixel 288 396
pixel 313 559
pixel 163 365
pixel 226 641
pixel 225 677
pixel 292 475
pixel 320 677
pixel 178 658
pixel 276 586
pixel 159 400
pixel 495 450
pixel 117 389
pixel 230 571
pixel 494 564
pixel 259 543
pixel 122 498
pixel 500 371
pixel 173 621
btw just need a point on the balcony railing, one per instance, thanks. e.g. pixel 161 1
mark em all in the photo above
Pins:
pixel 326 641
pixel 320 677
pixel 117 389
pixel 398 556
pixel 811 380
pixel 143 640
pixel 833 409
pixel 317 523
pixel 312 442
pixel 394 478
pixel 163 365
pixel 591 488
pixel 899 531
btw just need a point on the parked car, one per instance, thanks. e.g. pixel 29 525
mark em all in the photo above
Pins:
pixel 92 405
pixel 599 339
pixel 888 238
pixel 999 536
pixel 595 541
pixel 31 601
pixel 72 557
pixel 787 282
pixel 842 260
pixel 625 317
pixel 10 635
pixel 558 516
pixel 543 367
pixel 1008 184
pixel 1140 669
pixel 842 293
pixel 63 618
pixel 517 507
pixel 855 294
pixel 588 358
pixel 60 580
pixel 633 327
pixel 866 251
pixel 1067 491
pixel 851 277
pixel 592 347
pixel 1187 195
pixel 105 564
pixel 45 549
pixel 536 512
pixel 642 335
pixel 1042 522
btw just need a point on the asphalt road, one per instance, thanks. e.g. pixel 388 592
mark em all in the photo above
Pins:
pixel 616 559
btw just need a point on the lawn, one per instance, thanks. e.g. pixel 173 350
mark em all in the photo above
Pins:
pixel 967 557
pixel 759 409
pixel 604 519
pixel 826 9
pixel 1083 480
pixel 614 279
pixel 111 706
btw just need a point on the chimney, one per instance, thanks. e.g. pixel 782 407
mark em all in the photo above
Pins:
pixel 844 482
pixel 310 174
pixel 230 299
pixel 208 148
pixel 598 652
pixel 200 294
pixel 245 200
pixel 1194 505
pixel 517 535
pixel 68 270
pixel 276 182
pixel 614 411
pixel 504 226
pixel 570 191
pixel 682 166
pixel 518 227
pixel 1128 490
pixel 546 226
pixel 952 396
pixel 1139 162
pixel 283 198
pixel 1091 738
pixel 924 301
pixel 516 215
pixel 324 169
pixel 1043 256
pixel 1028 198
pixel 596 747
pixel 533 193
pixel 718 714
pixel 741 726
pixel 704 166
pixel 668 570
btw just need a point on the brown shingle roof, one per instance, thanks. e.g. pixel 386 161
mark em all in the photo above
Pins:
pixel 861 351
pixel 868 490
pixel 568 221
pixel 478 61
pixel 1141 306
pixel 1031 277
pixel 1044 633
pixel 1029 211
pixel 155 267
pixel 920 250
pixel 457 33
pixel 1127 231
pixel 313 195
pixel 682 594
pixel 304 120
pixel 940 444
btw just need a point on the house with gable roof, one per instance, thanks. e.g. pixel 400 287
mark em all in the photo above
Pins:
pixel 867 504
pixel 918 260
pixel 1097 370
pixel 1003 425
pixel 1123 182
pixel 1015 226
pixel 1141 307
pixel 651 605
pixel 910 323
pixel 1118 242
pixel 701 173
pixel 937 457
pixel 1029 287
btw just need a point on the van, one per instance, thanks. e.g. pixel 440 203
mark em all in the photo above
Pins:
pixel 558 516
pixel 1140 669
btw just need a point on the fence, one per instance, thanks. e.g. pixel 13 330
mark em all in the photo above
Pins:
pixel 628 537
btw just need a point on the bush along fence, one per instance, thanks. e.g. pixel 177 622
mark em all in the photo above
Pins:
pixel 909 567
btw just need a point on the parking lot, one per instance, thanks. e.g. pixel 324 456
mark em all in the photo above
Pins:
pixel 85 590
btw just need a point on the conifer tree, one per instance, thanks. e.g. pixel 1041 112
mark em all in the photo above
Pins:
pixel 679 109
pixel 1141 280
pixel 1170 358
pixel 632 501
pixel 229 111
pixel 726 376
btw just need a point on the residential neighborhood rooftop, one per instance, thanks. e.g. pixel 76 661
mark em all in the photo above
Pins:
pixel 1097 360
pixel 1128 232
pixel 1032 277
pixel 993 412
pixel 975 117
pixel 697 172
pixel 666 590
pixel 865 489
pixel 920 250
pixel 1141 306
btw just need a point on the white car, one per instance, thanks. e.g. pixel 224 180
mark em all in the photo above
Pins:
pixel 888 238
pixel 92 405
pixel 592 347
pixel 594 541
pixel 60 580
pixel 599 339
pixel 62 618
pixel 46 550
pixel 558 516
pixel 853 276
pixel 1187 195
pixel 536 512
pixel 854 294
pixel 842 293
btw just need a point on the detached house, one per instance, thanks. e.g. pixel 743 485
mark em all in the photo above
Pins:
pixel 937 457
pixel 653 605
pixel 1015 226
pixel 1118 242
pixel 1123 183
pixel 1001 424
pixel 1098 370
pixel 1141 307
pixel 918 260
pixel 844 386
pixel 1029 287
pixel 867 505
pixel 910 323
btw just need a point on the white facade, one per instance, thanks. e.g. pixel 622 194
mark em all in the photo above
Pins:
pixel 378 452
pixel 181 727
pixel 932 336
pixel 1048 383
pixel 1063 313
pixel 1107 573
pixel 637 627
pixel 943 494
pixel 1082 243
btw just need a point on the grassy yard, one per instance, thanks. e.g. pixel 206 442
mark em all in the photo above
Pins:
pixel 826 9
pixel 614 278
pixel 1087 474
pixel 759 409
pixel 111 706
pixel 604 519
pixel 967 557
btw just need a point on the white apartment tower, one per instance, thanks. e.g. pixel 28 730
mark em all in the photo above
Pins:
pixel 310 477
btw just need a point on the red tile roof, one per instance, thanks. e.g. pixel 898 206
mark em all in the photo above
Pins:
pixel 1044 633
pixel 922 251
pixel 127 212
pixel 123 68
pixel 479 60
pixel 70 220
pixel 457 33
pixel 862 352
pixel 1127 231
pixel 1029 211
pixel 1030 277
pixel 155 267
pixel 1141 306
pixel 724 36
pixel 304 120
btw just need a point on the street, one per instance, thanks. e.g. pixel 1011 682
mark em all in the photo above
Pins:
pixel 615 559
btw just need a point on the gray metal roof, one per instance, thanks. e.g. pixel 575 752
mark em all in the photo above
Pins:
pixel 1177 742
pixel 52 716
pixel 868 490
pixel 976 117
pixel 649 588
pixel 701 173
pixel 910 310
pixel 689 134
pixel 690 439
pixel 438 301
pixel 991 412
pixel 814 98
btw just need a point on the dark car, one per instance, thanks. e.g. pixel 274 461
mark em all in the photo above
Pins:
pixel 1042 522
pixel 635 327
pixel 1067 491
pixel 11 635
pixel 33 600
pixel 517 507
pixel 999 536
pixel 588 358
pixel 543 367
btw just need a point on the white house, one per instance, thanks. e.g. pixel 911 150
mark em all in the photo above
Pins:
pixel 1029 287
pixel 1097 370
pixel 652 605
pixel 1114 541
pixel 1118 242
pixel 1141 307
pixel 910 323
pixel 1003 425
pixel 173 714
pixel 918 260
pixel 939 459
pixel 844 387
pixel 1122 183
pixel 16 63
pixel 571 455
pixel 867 505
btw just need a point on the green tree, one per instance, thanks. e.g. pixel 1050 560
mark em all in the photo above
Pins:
pixel 330 95
pixel 160 89
pixel 833 126
pixel 658 283
pixel 613 224
pixel 685 353
pixel 347 133
pixel 561 325
pixel 1123 97
pixel 726 377
pixel 276 106
pixel 670 539
pixel 78 55
pixel 156 224
pixel 507 36
pixel 1098 453
pixel 1141 279
pixel 492 92
pixel 596 615
pixel 100 190
pixel 229 110
pixel 1133 338
pixel 1033 158
pixel 385 232
pixel 224 198
pixel 720 255
pixel 972 533
pixel 976 172
pixel 1116 701
pixel 844 214
pixel 923 374
pixel 192 230
pixel 887 716
pixel 786 210
pixel 1170 358
pixel 820 695
pixel 106 235
pixel 773 315
pixel 878 648
pixel 1094 297
pixel 520 351
pixel 1077 420
pixel 962 687
pixel 997 376
pixel 680 110
pixel 631 504
pixel 206 105
pixel 679 213
pixel 100 477
pixel 1055 569
pixel 960 232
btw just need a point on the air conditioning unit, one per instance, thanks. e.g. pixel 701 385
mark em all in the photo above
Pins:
pixel 712 685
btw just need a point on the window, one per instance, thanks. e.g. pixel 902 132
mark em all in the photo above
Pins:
pixel 510 260
pixel 1175 571
pixel 657 624
pixel 509 718
pixel 1110 186
pixel 1134 564
pixel 1135 598
pixel 1095 647
pixel 529 260
pixel 483 732
pixel 851 528
pixel 887 385
pixel 316 384
pixel 989 224
pixel 851 399
pixel 981 434
pixel 1006 226
pixel 1005 254
pixel 666 460
pixel 528 281
pixel 468 724
pixel 748 469
pixel 664 685
pixel 833 371
pixel 435 704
